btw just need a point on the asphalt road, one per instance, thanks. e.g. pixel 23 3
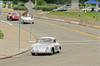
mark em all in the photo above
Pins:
pixel 80 45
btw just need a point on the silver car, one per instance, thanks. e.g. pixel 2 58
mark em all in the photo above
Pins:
pixel 46 45
pixel 27 19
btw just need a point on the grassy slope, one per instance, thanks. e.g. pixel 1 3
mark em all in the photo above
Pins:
pixel 79 15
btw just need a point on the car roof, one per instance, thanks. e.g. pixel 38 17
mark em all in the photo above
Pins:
pixel 47 38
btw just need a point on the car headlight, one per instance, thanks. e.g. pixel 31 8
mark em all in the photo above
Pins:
pixel 13 16
pixel 32 50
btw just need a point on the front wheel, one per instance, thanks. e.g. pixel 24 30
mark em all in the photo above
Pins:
pixel 32 22
pixel 52 51
pixel 32 54
pixel 59 49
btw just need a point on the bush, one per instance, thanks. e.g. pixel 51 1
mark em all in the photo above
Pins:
pixel 16 7
pixel 21 4
pixel 4 5
pixel 46 8
pixel 1 35
pixel 41 2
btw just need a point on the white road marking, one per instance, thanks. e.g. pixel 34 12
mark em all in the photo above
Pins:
pixel 59 19
pixel 32 41
pixel 7 22
pixel 74 22
pixel 53 19
pixel 43 13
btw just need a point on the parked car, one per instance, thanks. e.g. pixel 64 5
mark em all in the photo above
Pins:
pixel 13 16
pixel 62 8
pixel 27 19
pixel 46 45
pixel 91 9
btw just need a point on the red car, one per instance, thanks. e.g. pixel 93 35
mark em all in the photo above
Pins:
pixel 13 16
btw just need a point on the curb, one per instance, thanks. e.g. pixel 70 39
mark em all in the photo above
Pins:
pixel 72 22
pixel 19 53
pixel 97 27
pixel 47 18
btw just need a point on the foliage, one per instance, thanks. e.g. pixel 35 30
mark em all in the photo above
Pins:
pixel 58 1
pixel 92 16
pixel 41 2
pixel 16 7
pixel 1 35
pixel 46 7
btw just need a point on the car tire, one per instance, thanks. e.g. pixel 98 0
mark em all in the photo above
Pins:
pixel 32 22
pixel 59 49
pixel 10 19
pixel 32 54
pixel 7 18
pixel 24 23
pixel 52 51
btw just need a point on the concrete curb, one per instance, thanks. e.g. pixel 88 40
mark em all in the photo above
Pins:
pixel 16 54
pixel 47 18
pixel 97 27
pixel 72 22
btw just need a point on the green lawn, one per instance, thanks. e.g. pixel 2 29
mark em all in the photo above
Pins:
pixel 1 35
pixel 79 15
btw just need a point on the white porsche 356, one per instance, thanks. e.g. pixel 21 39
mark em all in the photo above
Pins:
pixel 46 45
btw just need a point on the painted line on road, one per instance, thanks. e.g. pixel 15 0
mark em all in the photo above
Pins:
pixel 51 19
pixel 92 36
pixel 57 19
pixel 74 22
pixel 7 22
pixel 32 41
pixel 43 12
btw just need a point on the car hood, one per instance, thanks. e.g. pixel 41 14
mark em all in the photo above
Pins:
pixel 26 18
pixel 40 46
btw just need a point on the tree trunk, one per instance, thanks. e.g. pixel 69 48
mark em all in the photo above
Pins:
pixel 75 5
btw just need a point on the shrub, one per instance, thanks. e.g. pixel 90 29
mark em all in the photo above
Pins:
pixel 16 7
pixel 1 35
pixel 4 5
pixel 21 4
pixel 46 8
pixel 41 2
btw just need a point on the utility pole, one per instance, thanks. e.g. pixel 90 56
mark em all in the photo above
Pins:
pixel 75 5
pixel 35 2
pixel 19 25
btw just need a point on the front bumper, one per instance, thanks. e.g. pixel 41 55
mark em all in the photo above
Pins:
pixel 28 21
pixel 40 52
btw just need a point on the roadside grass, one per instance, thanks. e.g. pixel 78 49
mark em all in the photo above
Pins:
pixel 5 10
pixel 1 35
pixel 48 7
pixel 89 16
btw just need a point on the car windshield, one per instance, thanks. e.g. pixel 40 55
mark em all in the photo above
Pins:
pixel 45 40
pixel 17 14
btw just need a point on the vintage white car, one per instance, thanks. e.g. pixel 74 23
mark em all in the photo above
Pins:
pixel 27 19
pixel 46 45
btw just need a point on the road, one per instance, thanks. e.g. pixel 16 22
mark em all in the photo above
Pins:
pixel 80 45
